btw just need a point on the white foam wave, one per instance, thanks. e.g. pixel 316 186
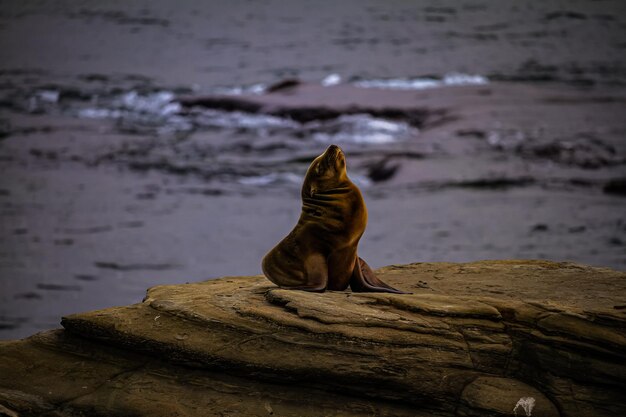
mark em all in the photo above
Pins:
pixel 239 120
pixel 154 111
pixel 158 111
pixel 452 79
pixel 237 91
pixel 50 96
pixel 159 103
pixel 361 128
pixel 270 179
pixel 155 104
pixel 332 79
pixel 464 79
pixel 99 113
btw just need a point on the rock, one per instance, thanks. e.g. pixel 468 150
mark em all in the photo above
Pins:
pixel 283 85
pixel 615 186
pixel 479 339
pixel 307 102
pixel 495 395
pixel 56 374
pixel 382 170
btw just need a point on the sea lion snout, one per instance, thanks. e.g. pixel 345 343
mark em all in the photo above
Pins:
pixel 333 150
pixel 329 166
pixel 334 157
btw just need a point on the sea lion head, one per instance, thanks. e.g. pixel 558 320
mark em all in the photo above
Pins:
pixel 327 171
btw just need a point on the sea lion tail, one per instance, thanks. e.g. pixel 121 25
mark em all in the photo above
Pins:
pixel 365 280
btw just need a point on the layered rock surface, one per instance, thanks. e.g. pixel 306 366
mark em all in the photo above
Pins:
pixel 472 340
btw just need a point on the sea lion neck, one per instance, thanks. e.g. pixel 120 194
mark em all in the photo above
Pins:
pixel 312 188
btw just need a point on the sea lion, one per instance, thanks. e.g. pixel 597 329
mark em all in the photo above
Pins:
pixel 320 253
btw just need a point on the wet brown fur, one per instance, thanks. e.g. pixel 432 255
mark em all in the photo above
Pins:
pixel 320 253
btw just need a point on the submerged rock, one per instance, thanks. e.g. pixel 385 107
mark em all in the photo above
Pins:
pixel 615 186
pixel 478 339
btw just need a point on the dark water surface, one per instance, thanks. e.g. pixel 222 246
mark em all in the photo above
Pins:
pixel 108 186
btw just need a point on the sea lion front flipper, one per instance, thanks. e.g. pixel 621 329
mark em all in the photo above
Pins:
pixel 316 273
pixel 365 280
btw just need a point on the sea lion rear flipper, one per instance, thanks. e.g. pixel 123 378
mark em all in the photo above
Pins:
pixel 365 280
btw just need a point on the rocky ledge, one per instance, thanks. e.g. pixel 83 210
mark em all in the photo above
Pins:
pixel 476 339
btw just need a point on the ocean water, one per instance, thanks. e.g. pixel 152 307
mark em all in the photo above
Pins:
pixel 109 186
